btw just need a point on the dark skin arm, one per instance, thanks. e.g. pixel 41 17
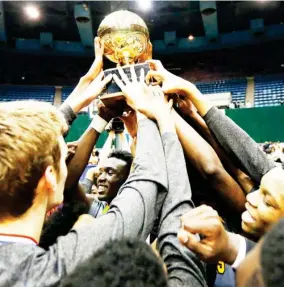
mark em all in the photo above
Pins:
pixel 77 165
pixel 190 115
pixel 206 161
pixel 80 160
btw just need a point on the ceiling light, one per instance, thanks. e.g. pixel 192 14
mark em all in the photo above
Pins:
pixel 145 4
pixel 190 37
pixel 32 12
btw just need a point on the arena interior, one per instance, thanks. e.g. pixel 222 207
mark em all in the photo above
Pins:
pixel 171 180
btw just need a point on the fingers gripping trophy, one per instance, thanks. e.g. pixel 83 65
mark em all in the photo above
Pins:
pixel 126 42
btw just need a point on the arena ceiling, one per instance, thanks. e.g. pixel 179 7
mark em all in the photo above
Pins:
pixel 38 65
pixel 184 17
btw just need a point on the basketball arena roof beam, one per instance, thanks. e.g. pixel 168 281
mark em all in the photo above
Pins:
pixel 83 19
pixel 3 37
pixel 208 10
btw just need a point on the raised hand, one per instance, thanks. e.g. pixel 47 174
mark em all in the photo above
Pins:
pixel 91 84
pixel 216 244
pixel 130 121
pixel 109 113
pixel 72 147
pixel 185 107
pixel 156 106
pixel 170 82
pixel 145 99
pixel 134 90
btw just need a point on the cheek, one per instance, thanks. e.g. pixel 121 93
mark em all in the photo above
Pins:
pixel 268 215
pixel 113 180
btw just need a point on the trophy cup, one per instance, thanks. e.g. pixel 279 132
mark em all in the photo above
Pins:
pixel 126 39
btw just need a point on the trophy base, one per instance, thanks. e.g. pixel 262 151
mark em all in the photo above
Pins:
pixel 116 100
pixel 113 95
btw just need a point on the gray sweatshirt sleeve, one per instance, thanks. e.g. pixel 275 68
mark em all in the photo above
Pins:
pixel 68 114
pixel 87 185
pixel 237 142
pixel 184 268
pixel 131 213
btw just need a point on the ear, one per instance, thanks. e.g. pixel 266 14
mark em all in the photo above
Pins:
pixel 50 178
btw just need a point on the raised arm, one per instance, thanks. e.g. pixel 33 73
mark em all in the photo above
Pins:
pixel 88 88
pixel 184 268
pixel 190 115
pixel 237 142
pixel 233 139
pixel 206 161
pixel 131 214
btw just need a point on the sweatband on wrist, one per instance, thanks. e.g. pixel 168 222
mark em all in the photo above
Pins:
pixel 98 124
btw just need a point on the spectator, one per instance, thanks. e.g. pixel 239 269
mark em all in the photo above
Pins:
pixel 94 159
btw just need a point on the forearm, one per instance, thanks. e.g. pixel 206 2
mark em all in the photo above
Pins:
pixel 233 139
pixel 196 149
pixel 229 190
pixel 236 250
pixel 184 268
pixel 166 124
pixel 246 183
pixel 195 96
pixel 80 160
pixel 196 121
pixel 239 144
pixel 87 185
pixel 205 160
pixel 149 160
pixel 199 124
pixel 68 115
pixel 242 179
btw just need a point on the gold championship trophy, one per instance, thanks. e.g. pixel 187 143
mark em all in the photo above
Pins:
pixel 126 40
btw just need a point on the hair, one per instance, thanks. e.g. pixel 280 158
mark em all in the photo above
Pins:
pixel 122 155
pixel 29 132
pixel 272 256
pixel 126 262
